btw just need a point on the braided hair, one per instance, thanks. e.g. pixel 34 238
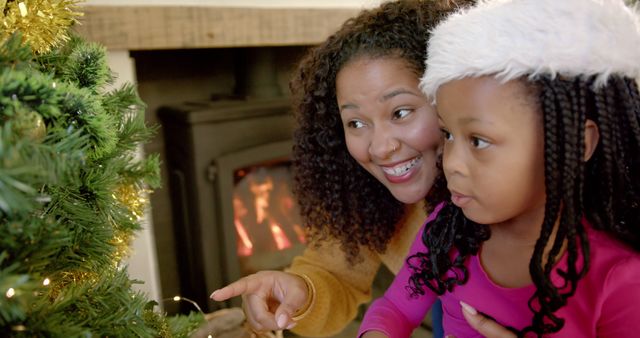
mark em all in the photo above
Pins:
pixel 605 190
pixel 338 198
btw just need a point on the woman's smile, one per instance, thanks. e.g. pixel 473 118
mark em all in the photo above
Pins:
pixel 403 171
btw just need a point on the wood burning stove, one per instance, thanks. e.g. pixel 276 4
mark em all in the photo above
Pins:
pixel 230 181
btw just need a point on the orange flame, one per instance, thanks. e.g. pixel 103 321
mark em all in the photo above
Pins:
pixel 246 249
pixel 300 233
pixel 261 192
pixel 282 242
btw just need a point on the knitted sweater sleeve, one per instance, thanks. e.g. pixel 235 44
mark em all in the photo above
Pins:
pixel 340 287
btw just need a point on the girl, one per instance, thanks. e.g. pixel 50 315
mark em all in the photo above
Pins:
pixel 365 154
pixel 540 111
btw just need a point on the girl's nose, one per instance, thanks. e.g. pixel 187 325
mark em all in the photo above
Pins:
pixel 453 159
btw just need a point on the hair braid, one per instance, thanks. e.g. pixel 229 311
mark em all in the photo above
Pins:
pixel 630 88
pixel 557 102
pixel 617 116
pixel 603 164
pixel 553 176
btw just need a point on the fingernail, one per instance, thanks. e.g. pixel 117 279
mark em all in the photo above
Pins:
pixel 468 308
pixel 291 326
pixel 213 294
pixel 282 321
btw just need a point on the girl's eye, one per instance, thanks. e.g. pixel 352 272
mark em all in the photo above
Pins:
pixel 447 135
pixel 479 143
pixel 355 124
pixel 401 113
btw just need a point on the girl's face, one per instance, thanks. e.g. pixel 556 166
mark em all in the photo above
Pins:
pixel 493 149
pixel 390 127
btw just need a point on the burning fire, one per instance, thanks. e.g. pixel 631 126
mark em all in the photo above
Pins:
pixel 246 249
pixel 281 239
pixel 261 198
pixel 273 211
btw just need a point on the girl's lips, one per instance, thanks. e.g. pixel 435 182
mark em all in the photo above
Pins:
pixel 460 200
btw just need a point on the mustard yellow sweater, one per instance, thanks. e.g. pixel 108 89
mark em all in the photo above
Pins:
pixel 341 287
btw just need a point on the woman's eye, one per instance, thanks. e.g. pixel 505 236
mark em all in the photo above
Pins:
pixel 447 135
pixel 479 143
pixel 401 113
pixel 355 124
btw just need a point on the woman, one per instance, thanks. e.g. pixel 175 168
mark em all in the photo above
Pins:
pixel 365 154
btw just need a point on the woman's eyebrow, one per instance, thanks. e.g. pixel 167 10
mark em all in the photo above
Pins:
pixel 396 93
pixel 348 106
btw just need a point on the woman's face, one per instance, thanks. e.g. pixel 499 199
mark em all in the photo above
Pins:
pixel 390 127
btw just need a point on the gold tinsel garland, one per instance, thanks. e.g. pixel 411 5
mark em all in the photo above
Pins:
pixel 122 243
pixel 135 199
pixel 66 278
pixel 44 24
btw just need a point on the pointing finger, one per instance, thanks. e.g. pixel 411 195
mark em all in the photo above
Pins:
pixel 242 286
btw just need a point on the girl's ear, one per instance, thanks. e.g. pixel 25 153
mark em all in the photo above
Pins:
pixel 591 138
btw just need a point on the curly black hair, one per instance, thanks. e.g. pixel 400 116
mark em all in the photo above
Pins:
pixel 337 197
pixel 605 190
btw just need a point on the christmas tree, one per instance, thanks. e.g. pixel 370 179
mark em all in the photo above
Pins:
pixel 73 185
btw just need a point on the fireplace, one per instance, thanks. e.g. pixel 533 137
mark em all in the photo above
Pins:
pixel 267 222
pixel 230 181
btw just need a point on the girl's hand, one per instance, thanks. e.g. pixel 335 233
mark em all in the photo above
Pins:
pixel 485 326
pixel 269 298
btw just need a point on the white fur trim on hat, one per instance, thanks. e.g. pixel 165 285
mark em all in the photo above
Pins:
pixel 512 38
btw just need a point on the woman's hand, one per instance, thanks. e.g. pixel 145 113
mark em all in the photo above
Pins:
pixel 269 298
pixel 485 326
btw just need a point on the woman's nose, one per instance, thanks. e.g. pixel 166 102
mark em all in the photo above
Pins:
pixel 383 143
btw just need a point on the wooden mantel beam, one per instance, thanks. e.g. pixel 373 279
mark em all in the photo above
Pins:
pixel 179 27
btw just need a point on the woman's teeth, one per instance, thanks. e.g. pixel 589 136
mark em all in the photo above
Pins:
pixel 401 169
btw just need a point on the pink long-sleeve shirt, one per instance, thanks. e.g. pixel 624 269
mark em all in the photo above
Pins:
pixel 606 302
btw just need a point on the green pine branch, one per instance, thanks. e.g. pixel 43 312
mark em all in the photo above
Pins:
pixel 67 148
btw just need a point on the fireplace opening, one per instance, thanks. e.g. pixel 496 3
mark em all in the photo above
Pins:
pixel 266 218
pixel 229 164
pixel 230 181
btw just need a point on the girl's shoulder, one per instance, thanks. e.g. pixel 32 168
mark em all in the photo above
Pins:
pixel 611 286
pixel 606 245
pixel 609 255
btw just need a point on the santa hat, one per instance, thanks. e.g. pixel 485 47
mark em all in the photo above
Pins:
pixel 512 38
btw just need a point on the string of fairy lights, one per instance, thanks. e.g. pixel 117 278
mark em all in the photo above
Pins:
pixel 12 292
